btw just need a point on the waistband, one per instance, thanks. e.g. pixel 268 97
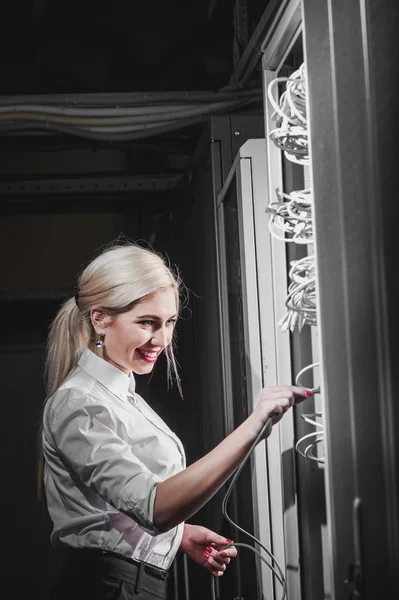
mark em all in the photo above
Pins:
pixel 126 567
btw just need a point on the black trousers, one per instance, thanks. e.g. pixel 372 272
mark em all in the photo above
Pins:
pixel 97 575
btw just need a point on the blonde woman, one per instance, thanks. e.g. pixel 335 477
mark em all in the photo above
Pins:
pixel 114 475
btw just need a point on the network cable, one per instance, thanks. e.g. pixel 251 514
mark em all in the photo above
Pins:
pixel 301 299
pixel 316 437
pixel 274 565
pixel 298 378
pixel 291 133
pixel 292 215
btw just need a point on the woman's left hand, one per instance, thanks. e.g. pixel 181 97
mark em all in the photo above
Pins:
pixel 206 548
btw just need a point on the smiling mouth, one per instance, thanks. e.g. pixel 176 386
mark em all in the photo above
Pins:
pixel 149 357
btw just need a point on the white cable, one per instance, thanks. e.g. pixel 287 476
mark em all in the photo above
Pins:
pixel 301 299
pixel 307 419
pixel 293 141
pixel 292 215
pixel 117 123
pixel 308 452
pixel 126 99
pixel 114 111
pixel 302 372
pixel 291 133
pixel 119 120
pixel 317 434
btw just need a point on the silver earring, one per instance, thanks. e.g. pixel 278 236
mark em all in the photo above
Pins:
pixel 99 341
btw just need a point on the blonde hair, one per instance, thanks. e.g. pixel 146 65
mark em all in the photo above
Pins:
pixel 116 280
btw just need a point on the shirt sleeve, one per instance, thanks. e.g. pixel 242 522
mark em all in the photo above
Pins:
pixel 85 434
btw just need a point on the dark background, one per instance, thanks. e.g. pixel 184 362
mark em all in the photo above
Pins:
pixel 83 46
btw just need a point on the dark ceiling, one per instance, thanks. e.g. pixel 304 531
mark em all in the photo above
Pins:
pixel 53 46
pixel 200 56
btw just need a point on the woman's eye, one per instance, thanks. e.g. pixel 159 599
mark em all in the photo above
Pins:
pixel 150 323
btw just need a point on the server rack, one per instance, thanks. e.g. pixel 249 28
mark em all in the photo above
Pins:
pixel 349 51
pixel 333 525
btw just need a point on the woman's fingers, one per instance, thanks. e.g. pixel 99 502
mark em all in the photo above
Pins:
pixel 284 396
pixel 218 561
pixel 228 553
pixel 296 390
pixel 274 402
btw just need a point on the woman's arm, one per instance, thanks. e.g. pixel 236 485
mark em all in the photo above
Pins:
pixel 181 496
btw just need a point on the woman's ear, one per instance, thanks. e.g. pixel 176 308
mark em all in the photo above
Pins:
pixel 99 318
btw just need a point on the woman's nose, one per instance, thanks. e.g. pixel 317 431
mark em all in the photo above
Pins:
pixel 160 338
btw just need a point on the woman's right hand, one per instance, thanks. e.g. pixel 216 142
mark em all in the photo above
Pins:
pixel 275 401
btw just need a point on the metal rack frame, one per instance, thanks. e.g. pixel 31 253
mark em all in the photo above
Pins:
pixel 352 49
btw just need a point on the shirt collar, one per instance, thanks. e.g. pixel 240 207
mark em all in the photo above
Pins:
pixel 115 380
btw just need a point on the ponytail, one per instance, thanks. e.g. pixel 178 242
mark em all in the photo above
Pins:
pixel 69 335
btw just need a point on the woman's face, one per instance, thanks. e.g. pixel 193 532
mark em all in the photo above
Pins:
pixel 134 340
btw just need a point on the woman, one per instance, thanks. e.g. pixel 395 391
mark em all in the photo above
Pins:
pixel 115 479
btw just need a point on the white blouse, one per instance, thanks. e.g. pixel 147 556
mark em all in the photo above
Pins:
pixel 105 452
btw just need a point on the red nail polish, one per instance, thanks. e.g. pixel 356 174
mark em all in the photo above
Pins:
pixel 229 541
pixel 223 554
pixel 309 393
pixel 206 554
pixel 209 549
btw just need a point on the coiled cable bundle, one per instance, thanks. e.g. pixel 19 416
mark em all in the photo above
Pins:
pixel 292 215
pixel 291 133
pixel 301 299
